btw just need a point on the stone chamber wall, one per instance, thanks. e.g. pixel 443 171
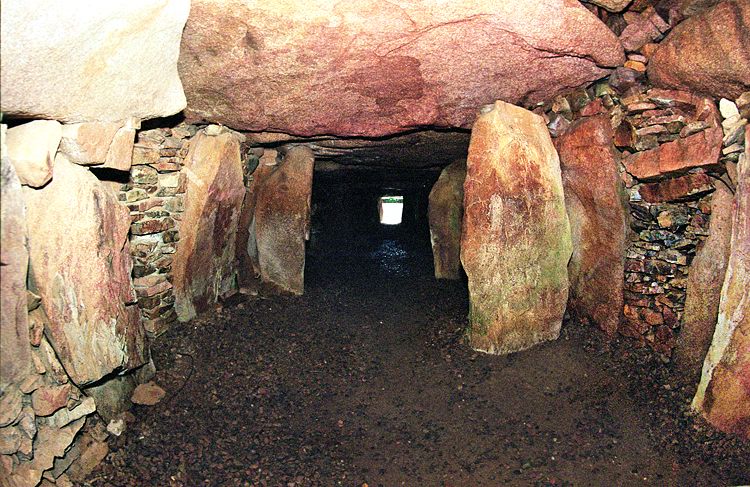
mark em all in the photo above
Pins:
pixel 116 232
pixel 675 149
pixel 155 197
pixel 66 266
pixel 121 201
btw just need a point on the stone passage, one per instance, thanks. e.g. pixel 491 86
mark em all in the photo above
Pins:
pixel 446 213
pixel 516 239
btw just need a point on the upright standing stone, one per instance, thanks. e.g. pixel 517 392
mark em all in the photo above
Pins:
pixel 204 264
pixel 516 241
pixel 81 264
pixel 446 212
pixel 597 220
pixel 282 220
pixel 704 285
pixel 723 395
pixel 15 351
pixel 247 244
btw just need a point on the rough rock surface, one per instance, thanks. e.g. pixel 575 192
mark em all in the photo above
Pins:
pixel 81 269
pixel 112 396
pixel 445 213
pixel 680 188
pixel 247 243
pixel 707 53
pixel 611 5
pixel 676 157
pixel 88 143
pixel 282 220
pixel 204 263
pixel 31 148
pixel 15 359
pixel 52 440
pixel 148 394
pixel 377 68
pixel 594 203
pixel 723 395
pixel 102 61
pixel 516 240
pixel 704 285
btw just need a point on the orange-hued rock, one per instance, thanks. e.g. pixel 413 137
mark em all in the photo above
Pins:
pixel 15 350
pixel 593 198
pixel 380 67
pixel 704 284
pixel 32 147
pixel 707 53
pixel 204 265
pixel 445 212
pixel 49 398
pixel 282 220
pixel 612 5
pixel 723 395
pixel 515 243
pixel 101 61
pixel 677 157
pixel 689 186
pixel 80 264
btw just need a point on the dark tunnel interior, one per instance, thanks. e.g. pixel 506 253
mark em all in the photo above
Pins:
pixel 346 227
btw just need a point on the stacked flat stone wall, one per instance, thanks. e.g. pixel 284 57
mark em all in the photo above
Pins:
pixel 155 196
pixel 673 152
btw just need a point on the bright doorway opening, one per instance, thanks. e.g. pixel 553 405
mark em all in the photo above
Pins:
pixel 391 208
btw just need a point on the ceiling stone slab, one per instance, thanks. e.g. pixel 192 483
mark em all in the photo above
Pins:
pixel 374 68
pixel 80 61
pixel 423 149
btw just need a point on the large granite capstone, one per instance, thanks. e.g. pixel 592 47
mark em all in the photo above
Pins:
pixel 375 68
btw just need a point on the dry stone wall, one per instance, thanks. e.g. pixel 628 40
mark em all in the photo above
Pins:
pixel 155 196
pixel 676 147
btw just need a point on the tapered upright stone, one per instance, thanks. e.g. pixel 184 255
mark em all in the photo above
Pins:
pixel 516 240
pixel 597 220
pixel 705 280
pixel 282 220
pixel 81 264
pixel 445 212
pixel 204 265
pixel 15 351
pixel 723 395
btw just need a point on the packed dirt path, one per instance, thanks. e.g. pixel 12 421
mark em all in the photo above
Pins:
pixel 365 379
